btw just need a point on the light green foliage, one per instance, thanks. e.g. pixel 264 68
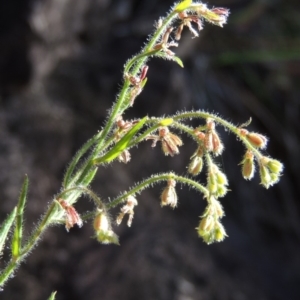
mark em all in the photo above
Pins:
pixel 52 296
pixel 17 237
pixel 5 228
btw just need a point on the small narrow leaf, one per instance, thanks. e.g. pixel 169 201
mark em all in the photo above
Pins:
pixel 178 60
pixel 17 237
pixel 52 296
pixel 121 145
pixel 144 83
pixel 183 5
pixel 78 156
pixel 5 227
pixel 89 177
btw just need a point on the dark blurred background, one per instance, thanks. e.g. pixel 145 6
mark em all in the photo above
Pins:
pixel 60 69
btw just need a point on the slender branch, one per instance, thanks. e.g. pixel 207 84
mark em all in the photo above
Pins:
pixel 156 179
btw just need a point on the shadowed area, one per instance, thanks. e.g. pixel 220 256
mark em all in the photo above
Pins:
pixel 60 70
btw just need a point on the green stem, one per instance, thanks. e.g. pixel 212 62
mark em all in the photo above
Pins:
pixel 81 189
pixel 226 124
pixel 10 268
pixel 155 179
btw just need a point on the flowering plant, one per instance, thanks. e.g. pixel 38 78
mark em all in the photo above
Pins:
pixel 119 135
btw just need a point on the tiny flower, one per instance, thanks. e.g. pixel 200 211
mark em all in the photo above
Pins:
pixel 255 139
pixel 207 224
pixel 216 181
pixel 217 16
pixel 72 216
pixel 275 166
pixel 102 227
pixel 123 127
pixel 138 83
pixel 195 166
pixel 200 135
pixel 220 232
pixel 270 171
pixel 265 176
pixel 164 45
pixel 169 196
pixel 248 167
pixel 127 209
pixel 169 141
pixel 212 184
pixel 212 140
pixel 186 20
pixel 124 157
pixel 217 208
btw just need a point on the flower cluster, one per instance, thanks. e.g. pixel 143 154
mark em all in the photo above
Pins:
pixel 210 227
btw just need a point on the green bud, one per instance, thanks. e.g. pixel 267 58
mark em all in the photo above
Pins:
pixel 265 177
pixel 212 184
pixel 221 178
pixel 275 166
pixel 220 233
pixel 103 231
pixel 207 224
pixel 221 191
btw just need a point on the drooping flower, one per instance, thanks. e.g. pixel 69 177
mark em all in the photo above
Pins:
pixel 169 141
pixel 127 209
pixel 72 216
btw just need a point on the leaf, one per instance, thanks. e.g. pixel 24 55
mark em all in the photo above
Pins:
pixel 144 83
pixel 183 5
pixel 52 296
pixel 121 145
pixel 5 227
pixel 78 156
pixel 178 60
pixel 17 237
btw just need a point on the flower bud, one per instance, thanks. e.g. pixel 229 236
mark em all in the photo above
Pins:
pixel 248 167
pixel 220 232
pixel 212 184
pixel 217 145
pixel 257 140
pixel 221 178
pixel 72 216
pixel 169 196
pixel 207 224
pixel 265 176
pixel 275 166
pixel 195 166
pixel 218 208
pixel 102 227
pixel 221 191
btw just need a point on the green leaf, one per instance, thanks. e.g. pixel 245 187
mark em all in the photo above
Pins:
pixel 179 61
pixel 121 145
pixel 144 82
pixel 5 227
pixel 17 237
pixel 183 5
pixel 78 156
pixel 52 296
pixel 89 177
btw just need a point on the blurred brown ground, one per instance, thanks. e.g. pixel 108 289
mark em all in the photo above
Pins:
pixel 60 69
